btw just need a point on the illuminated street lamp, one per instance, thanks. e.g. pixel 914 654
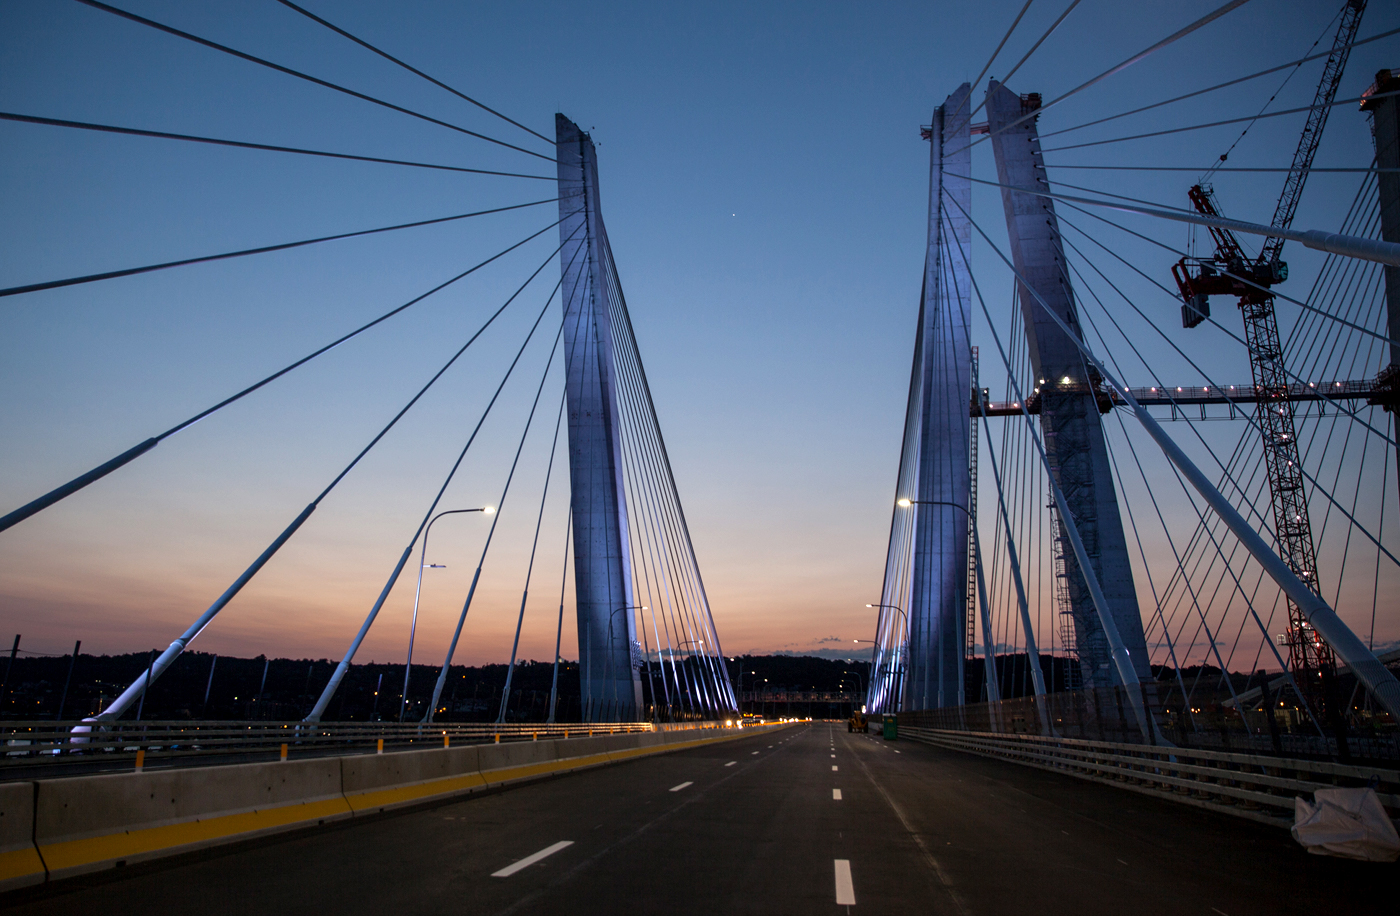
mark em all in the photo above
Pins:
pixel 422 565
pixel 899 667
pixel 741 687
pixel 901 614
pixel 906 503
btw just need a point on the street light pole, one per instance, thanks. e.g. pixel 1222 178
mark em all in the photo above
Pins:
pixel 739 700
pixel 860 686
pixel 898 673
pixel 741 691
pixel 608 669
pixel 873 645
pixel 906 503
pixel 413 625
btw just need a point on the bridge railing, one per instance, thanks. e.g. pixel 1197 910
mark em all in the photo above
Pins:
pixel 1202 719
pixel 92 746
pixel 1255 786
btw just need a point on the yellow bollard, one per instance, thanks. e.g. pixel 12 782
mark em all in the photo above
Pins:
pixel 566 733
pixel 284 753
pixel 379 747
pixel 445 740
pixel 534 736
pixel 140 759
pixel 498 739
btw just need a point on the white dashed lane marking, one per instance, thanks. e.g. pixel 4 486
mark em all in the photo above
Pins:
pixel 731 763
pixel 833 768
pixel 845 890
pixel 531 859
pixel 681 786
pixel 835 794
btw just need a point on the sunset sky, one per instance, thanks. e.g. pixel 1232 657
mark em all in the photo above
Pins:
pixel 765 190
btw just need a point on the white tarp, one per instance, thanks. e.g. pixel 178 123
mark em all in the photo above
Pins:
pixel 1346 822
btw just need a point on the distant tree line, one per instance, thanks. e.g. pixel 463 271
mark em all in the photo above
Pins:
pixel 279 689
pixel 285 689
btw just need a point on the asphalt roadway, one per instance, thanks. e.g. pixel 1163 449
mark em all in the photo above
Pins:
pixel 806 819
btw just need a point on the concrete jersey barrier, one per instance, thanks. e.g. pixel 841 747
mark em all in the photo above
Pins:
pixel 58 828
pixel 92 822
pixel 20 864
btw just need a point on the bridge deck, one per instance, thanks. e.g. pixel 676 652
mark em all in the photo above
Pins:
pixel 1373 392
pixel 923 830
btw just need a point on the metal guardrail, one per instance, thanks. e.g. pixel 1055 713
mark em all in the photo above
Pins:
pixel 48 748
pixel 1202 719
pixel 1246 785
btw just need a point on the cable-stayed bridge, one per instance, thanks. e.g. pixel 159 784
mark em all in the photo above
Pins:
pixel 633 559
pixel 1245 581
pixel 1131 567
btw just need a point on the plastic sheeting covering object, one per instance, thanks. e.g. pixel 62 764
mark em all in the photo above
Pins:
pixel 1346 822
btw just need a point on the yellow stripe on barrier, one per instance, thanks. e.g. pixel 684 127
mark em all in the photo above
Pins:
pixel 76 854
pixel 19 867
pixel 375 799
pixel 525 771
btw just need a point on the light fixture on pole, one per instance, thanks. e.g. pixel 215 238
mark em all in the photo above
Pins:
pixel 906 503
pixel 898 670
pixel 413 624
pixel 608 668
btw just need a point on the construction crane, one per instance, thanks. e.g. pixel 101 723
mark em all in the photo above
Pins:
pixel 1232 272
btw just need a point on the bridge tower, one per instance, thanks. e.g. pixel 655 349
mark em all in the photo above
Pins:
pixel 1385 131
pixel 1070 401
pixel 938 602
pixel 918 662
pixel 611 686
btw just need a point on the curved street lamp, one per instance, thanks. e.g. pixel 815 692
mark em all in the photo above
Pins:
pixel 898 669
pixel 906 503
pixel 413 625
pixel 608 668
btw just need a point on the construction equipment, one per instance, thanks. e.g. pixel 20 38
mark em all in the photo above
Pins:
pixel 1232 272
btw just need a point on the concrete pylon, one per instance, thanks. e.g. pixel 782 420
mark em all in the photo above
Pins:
pixel 1385 131
pixel 1069 406
pixel 612 689
pixel 943 374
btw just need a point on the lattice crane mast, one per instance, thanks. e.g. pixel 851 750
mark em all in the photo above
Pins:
pixel 1231 272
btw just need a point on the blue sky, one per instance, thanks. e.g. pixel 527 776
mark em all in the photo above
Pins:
pixel 765 191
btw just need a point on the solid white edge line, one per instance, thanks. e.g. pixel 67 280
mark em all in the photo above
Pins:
pixel 531 859
pixel 681 786
pixel 845 890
